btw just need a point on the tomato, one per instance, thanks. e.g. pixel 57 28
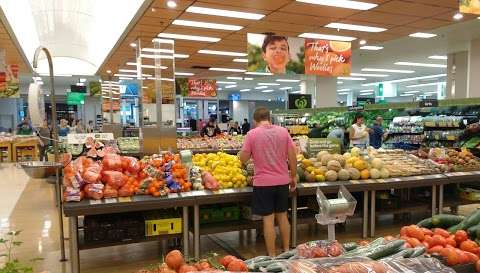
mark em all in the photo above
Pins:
pixel 428 239
pixel 427 245
pixel 473 257
pixel 463 258
pixel 451 241
pixel 414 242
pixel 477 266
pixel 427 231
pixel 438 240
pixel 469 246
pixel 403 231
pixel 435 249
pixel 226 260
pixel 407 245
pixel 460 236
pixel 452 258
pixel 415 232
pixel 442 232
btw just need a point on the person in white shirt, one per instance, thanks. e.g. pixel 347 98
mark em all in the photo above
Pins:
pixel 358 132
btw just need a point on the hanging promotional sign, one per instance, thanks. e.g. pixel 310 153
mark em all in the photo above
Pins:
pixel 299 101
pixel 36 105
pixel 202 88
pixel 470 6
pixel 285 55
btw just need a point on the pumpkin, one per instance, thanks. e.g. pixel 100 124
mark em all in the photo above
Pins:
pixel 331 175
pixel 321 154
pixel 360 165
pixel 343 175
pixel 384 173
pixel 334 165
pixel 326 158
pixel 375 173
pixel 354 173
pixel 365 174
pixel 377 163
pixel 174 259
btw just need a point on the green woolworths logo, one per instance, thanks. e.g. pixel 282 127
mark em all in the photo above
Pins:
pixel 301 103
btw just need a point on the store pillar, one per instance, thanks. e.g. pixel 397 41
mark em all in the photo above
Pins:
pixel 325 92
pixel 473 69
pixel 457 75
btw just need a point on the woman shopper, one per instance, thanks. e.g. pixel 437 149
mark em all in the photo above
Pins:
pixel 359 133
pixel 211 129
pixel 273 152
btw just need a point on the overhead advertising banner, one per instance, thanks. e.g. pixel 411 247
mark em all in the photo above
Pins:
pixel 285 55
pixel 470 6
pixel 202 88
pixel 299 101
pixel 9 81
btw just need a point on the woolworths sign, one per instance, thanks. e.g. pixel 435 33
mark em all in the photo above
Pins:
pixel 299 101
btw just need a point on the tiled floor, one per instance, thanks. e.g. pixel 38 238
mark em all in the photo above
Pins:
pixel 28 205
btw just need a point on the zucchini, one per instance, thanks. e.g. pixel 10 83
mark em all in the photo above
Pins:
pixel 359 251
pixel 472 220
pixel 287 254
pixel 385 250
pixel 473 231
pixel 454 228
pixel 276 267
pixel 417 251
pixel 405 253
pixel 257 265
pixel 350 246
pixel 446 220
pixel 425 223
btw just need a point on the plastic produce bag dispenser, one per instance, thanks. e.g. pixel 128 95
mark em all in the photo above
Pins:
pixel 334 211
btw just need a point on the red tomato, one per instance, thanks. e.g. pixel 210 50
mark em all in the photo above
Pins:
pixel 414 242
pixel 451 241
pixel 452 258
pixel 460 236
pixel 469 246
pixel 477 266
pixel 435 249
pixel 438 240
pixel 463 257
pixel 427 231
pixel 442 232
pixel 473 257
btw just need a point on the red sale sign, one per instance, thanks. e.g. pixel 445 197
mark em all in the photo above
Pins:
pixel 202 88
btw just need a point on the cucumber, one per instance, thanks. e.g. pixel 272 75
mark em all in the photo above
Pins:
pixel 471 220
pixel 473 231
pixel 405 253
pixel 454 228
pixel 446 220
pixel 258 265
pixel 359 251
pixel 425 223
pixel 350 246
pixel 417 251
pixel 276 267
pixel 385 250
pixel 286 255
pixel 258 259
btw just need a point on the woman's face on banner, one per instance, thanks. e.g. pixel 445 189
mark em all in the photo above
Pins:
pixel 277 56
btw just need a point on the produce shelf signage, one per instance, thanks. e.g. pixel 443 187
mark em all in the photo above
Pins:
pixel 470 6
pixel 299 101
pixel 202 88
pixel 429 103
pixel 270 53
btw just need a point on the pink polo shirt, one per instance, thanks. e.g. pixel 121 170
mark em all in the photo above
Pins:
pixel 268 146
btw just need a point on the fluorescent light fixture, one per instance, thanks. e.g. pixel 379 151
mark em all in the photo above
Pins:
pixel 171 4
pixel 296 92
pixel 411 92
pixel 245 90
pixel 362 42
pixel 146 65
pixel 238 60
pixel 226 69
pixel 37 78
pixel 161 79
pixel 268 91
pixel 261 87
pixel 151 56
pixel 438 57
pixel 225 13
pixel 421 64
pixel 367 90
pixel 351 78
pixel 327 37
pixel 240 78
pixel 144 87
pixel 133 44
pixel 109 71
pixel 220 89
pixel 125 78
pixel 268 84
pixel 189 37
pixel 355 27
pixel 369 75
pixel 285 88
pixel 431 92
pixel 388 70
pixel 406 95
pixel 424 84
pixel 188 23
pixel 366 93
pixel 127 70
pixel 223 53
pixel 343 93
pixel 458 16
pixel 348 4
pixel 82 80
pixel 230 86
pixel 157 50
pixel 129 75
pixel 80 84
pixel 372 48
pixel 343 90
pixel 223 82
pixel 184 74
pixel 287 80
pixel 339 82
pixel 407 79
pixel 422 35
pixel 259 73
pixel 40 82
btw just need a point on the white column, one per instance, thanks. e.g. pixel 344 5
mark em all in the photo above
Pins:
pixel 350 99
pixel 325 92
pixel 474 70
pixel 240 110
pixel 457 75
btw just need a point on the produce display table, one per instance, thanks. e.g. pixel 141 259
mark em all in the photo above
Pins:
pixel 6 151
pixel 25 148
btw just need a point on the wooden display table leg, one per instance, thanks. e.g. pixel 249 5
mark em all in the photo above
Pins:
pixel 74 253
pixel 196 231
pixel 372 214
pixel 293 242
pixel 440 199
pixel 365 214
pixel 434 200
pixel 185 233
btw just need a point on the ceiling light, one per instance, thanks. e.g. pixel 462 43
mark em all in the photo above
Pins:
pixel 40 83
pixel 82 80
pixel 348 4
pixel 327 37
pixel 343 93
pixel 133 44
pixel 366 93
pixel 411 92
pixel 438 57
pixel 184 74
pixel 129 75
pixel 287 80
pixel 422 35
pixel 222 82
pixel 80 84
pixel 152 56
pixel 421 64
pixel 144 87
pixel 261 87
pixel 171 4
pixel 367 90
pixel 37 78
pixel 268 91
pixel 362 42
pixel 407 79
pixel 388 70
pixel 189 37
pixel 223 53
pixel 225 13
pixel 245 90
pixel 373 48
pixel 406 95
pixel 259 73
pixel 205 25
pixel 226 69
pixel 458 16
pixel 369 75
pixel 432 92
pixel 109 71
pixel 240 78
pixel 230 86
pixel 56 75
pixel 240 60
pixel 351 79
pixel 425 84
pixel 343 90
pixel 339 82
pixel 125 78
pixel 355 27
pixel 157 50
pixel 146 65
pixel 296 92
pixel 285 88
pixel 127 70
pixel 268 84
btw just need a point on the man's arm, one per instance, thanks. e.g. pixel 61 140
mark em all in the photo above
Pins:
pixel 244 157
pixel 246 152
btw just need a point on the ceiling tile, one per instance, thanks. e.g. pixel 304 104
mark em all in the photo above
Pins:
pixel 269 5
pixel 410 8
pixel 383 18
pixel 317 10
pixel 428 24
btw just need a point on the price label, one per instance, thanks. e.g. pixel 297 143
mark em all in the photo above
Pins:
pixel 186 194
pixel 199 193
pixel 124 199
pixel 173 195
pixel 95 202
pixel 381 180
pixel 228 191
pixel 111 200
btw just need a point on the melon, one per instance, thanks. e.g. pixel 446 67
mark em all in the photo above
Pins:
pixel 354 173
pixel 307 163
pixel 317 164
pixel 318 171
pixel 323 169
pixel 377 163
pixel 384 173
pixel 365 174
pixel 375 173
pixel 355 151
pixel 347 155
pixel 321 154
pixel 331 175
pixel 340 159
pixel 301 173
pixel 334 165
pixel 310 177
pixel 326 158
pixel 343 175
pixel 319 178
pixel 360 165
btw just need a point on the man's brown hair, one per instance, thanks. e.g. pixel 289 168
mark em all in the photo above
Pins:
pixel 261 114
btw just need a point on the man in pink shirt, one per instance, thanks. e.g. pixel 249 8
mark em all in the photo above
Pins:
pixel 273 154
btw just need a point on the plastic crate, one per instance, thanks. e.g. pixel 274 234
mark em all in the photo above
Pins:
pixel 231 213
pixel 113 228
pixel 163 226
